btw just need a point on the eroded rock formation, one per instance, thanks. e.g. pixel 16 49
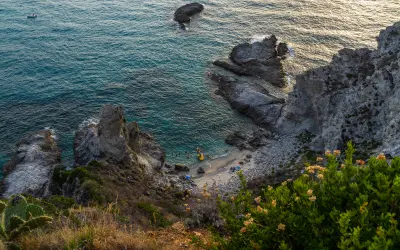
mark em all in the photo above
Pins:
pixel 30 169
pixel 261 59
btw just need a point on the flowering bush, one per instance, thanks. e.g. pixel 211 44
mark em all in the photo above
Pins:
pixel 338 206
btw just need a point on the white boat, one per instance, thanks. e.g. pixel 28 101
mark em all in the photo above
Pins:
pixel 32 16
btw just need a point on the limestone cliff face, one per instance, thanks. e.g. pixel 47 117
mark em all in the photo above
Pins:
pixel 30 169
pixel 356 97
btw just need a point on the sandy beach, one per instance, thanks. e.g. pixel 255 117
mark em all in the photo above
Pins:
pixel 218 170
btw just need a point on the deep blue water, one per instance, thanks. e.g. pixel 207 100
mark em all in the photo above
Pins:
pixel 59 69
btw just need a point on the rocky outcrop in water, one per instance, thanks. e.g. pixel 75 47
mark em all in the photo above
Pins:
pixel 259 59
pixel 30 169
pixel 183 13
pixel 251 99
pixel 355 97
pixel 114 141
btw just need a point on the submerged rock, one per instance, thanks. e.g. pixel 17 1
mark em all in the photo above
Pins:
pixel 183 14
pixel 31 168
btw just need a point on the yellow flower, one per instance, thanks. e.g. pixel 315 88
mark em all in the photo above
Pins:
pixel 328 153
pixel 273 203
pixel 312 198
pixel 320 159
pixel 297 198
pixel 259 209
pixel 233 198
pixel 265 211
pixel 336 152
pixel 311 171
pixel 309 192
pixel 284 183
pixel 381 156
pixel 185 205
pixel 248 216
pixel 281 227
pixel 270 187
pixel 258 199
pixel 360 162
pixel 243 230
pixel 321 176
pixel 289 180
pixel 363 206
pixel 342 166
pixel 248 222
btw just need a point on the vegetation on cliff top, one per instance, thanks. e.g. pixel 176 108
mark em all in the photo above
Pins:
pixel 337 203
pixel 334 205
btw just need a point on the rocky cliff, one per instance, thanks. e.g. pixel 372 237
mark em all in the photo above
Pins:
pixel 355 97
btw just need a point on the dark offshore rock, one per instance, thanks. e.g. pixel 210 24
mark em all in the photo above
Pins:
pixel 355 97
pixel 115 142
pixel 251 99
pixel 183 14
pixel 259 59
pixel 30 169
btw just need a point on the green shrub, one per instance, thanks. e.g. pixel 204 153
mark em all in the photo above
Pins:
pixel 54 205
pixel 156 218
pixel 344 205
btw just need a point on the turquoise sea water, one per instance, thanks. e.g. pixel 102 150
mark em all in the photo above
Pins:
pixel 58 70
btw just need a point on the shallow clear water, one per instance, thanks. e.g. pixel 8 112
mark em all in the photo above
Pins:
pixel 59 69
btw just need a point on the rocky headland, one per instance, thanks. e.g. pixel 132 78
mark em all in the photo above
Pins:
pixel 354 98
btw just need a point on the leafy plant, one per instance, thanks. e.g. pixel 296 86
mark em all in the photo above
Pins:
pixel 19 216
pixel 345 204
pixel 155 216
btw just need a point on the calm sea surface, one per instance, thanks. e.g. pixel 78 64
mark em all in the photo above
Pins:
pixel 58 70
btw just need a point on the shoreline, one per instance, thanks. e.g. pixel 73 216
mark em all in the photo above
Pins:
pixel 218 170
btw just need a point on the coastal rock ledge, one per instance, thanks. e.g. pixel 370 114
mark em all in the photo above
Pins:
pixel 30 169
